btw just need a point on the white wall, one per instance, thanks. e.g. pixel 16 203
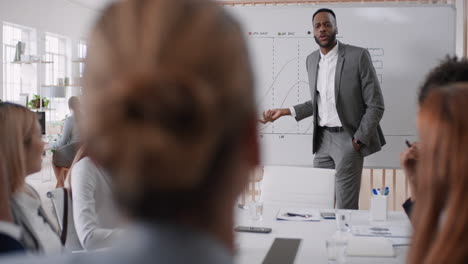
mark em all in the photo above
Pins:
pixel 55 16
pixel 459 44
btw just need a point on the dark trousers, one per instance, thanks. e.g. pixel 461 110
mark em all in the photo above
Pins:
pixel 63 156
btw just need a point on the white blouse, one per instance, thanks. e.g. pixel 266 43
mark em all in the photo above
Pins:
pixel 94 211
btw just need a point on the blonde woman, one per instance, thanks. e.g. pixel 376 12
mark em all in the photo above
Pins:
pixel 22 147
pixel 441 230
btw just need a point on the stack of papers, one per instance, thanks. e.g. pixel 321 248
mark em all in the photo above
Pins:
pixel 298 214
pixel 381 231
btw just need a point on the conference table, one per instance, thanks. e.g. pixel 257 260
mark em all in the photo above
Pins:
pixel 251 248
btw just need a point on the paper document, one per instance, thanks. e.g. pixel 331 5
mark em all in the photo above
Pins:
pixel 298 214
pixel 400 241
pixel 370 247
pixel 381 231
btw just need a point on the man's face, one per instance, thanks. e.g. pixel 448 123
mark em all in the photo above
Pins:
pixel 325 29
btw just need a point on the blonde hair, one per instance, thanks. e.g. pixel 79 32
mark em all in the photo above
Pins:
pixel 441 232
pixel 168 90
pixel 16 131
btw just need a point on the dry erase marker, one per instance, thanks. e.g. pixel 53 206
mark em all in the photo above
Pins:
pixel 408 144
pixel 387 191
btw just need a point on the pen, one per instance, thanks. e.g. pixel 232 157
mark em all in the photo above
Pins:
pixel 387 191
pixel 301 215
pixel 408 143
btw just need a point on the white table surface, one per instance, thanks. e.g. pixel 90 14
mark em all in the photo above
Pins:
pixel 253 247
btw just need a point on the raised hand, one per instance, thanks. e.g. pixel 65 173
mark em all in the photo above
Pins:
pixel 272 114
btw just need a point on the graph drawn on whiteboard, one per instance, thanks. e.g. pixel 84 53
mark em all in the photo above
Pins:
pixel 279 65
pixel 280 40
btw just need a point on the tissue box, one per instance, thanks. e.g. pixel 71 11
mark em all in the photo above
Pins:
pixel 379 207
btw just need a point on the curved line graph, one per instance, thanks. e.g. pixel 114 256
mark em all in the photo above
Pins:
pixel 290 89
pixel 287 76
pixel 278 74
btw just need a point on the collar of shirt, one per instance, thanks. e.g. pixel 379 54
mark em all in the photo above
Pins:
pixel 333 52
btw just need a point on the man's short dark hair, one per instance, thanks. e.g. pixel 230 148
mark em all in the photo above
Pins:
pixel 450 70
pixel 324 10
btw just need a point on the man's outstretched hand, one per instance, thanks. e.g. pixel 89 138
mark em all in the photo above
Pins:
pixel 272 114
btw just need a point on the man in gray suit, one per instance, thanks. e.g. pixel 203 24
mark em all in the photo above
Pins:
pixel 346 104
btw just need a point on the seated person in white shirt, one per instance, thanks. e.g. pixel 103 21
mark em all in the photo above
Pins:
pixel 94 212
pixel 21 146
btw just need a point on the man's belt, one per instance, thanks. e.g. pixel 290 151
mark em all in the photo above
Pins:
pixel 332 129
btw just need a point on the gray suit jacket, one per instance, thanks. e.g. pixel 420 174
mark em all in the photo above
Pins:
pixel 359 100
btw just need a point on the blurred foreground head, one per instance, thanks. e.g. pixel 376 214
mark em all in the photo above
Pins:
pixel 441 235
pixel 170 107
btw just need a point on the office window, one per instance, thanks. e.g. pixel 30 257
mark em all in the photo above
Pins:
pixel 55 52
pixel 82 49
pixel 57 73
pixel 18 79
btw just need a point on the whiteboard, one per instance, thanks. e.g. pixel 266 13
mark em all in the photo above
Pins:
pixel 405 42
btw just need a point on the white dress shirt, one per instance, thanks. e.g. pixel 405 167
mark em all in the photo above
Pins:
pixel 327 114
pixel 94 211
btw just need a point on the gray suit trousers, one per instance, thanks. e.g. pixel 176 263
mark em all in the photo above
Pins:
pixel 336 151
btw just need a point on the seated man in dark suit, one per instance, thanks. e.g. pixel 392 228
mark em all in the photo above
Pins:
pixel 449 71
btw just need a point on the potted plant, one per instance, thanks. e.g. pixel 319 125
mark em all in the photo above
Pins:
pixel 35 102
